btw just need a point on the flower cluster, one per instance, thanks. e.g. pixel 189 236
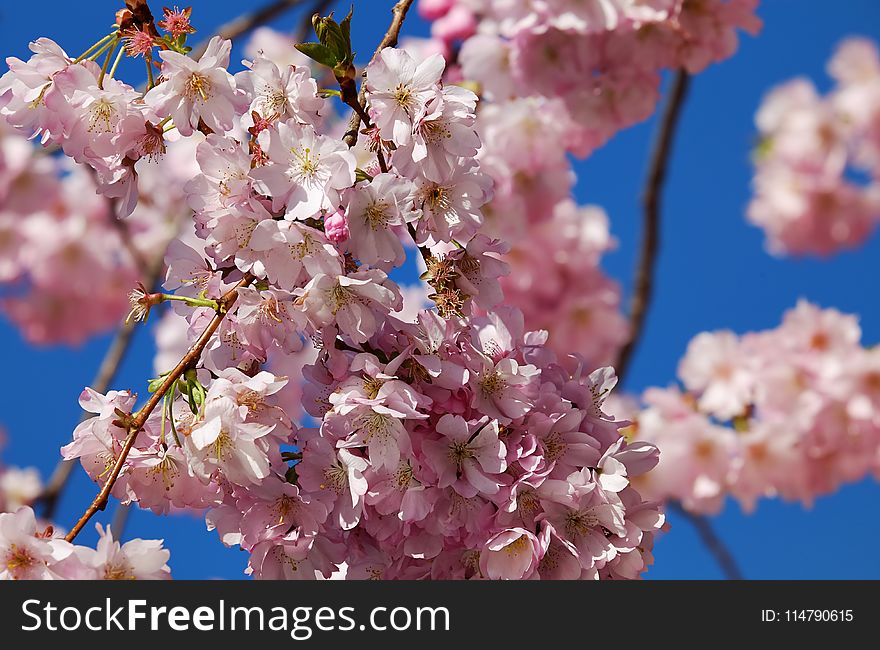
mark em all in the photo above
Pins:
pixel 560 77
pixel 437 444
pixel 597 61
pixel 61 246
pixel 556 280
pixel 31 551
pixel 792 412
pixel 815 151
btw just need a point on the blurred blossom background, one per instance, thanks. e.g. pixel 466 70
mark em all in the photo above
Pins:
pixel 714 272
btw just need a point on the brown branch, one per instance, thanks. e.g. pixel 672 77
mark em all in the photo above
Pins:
pixel 711 541
pixel 389 40
pixel 248 22
pixel 137 420
pixel 643 288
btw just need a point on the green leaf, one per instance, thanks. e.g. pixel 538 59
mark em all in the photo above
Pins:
pixel 345 26
pixel 320 53
pixel 361 175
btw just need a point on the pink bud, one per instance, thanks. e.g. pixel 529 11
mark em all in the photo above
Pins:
pixel 434 9
pixel 336 227
pixel 458 24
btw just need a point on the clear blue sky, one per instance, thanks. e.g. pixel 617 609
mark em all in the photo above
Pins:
pixel 713 273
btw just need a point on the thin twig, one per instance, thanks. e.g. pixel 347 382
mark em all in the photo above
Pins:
pixel 711 541
pixel 389 40
pixel 643 288
pixel 137 420
pixel 106 373
pixel 248 22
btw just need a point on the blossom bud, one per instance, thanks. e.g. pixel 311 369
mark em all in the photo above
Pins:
pixel 336 227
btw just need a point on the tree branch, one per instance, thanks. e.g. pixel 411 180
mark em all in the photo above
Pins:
pixel 138 419
pixel 248 22
pixel 389 40
pixel 643 288
pixel 711 541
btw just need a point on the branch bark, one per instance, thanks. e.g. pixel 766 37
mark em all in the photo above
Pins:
pixel 643 289
pixel 389 40
pixel 711 541
pixel 139 418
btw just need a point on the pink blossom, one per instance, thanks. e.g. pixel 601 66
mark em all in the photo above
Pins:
pixel 197 90
pixel 336 227
pixel 305 171
pixel 280 93
pixel 398 90
pixel 137 559
pixel 373 211
pixel 510 555
pixel 468 457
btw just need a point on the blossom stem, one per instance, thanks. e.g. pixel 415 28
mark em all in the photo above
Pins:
pixel 94 47
pixel 151 80
pixel 193 302
pixel 102 50
pixel 116 62
pixel 112 50
pixel 137 420
pixel 389 40
pixel 643 289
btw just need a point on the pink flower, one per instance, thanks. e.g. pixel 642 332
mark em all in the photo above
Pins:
pixel 374 210
pixel 398 91
pixel 197 90
pixel 442 136
pixel 336 477
pixel 292 253
pixel 224 179
pixel 137 559
pixel 305 172
pixel 356 303
pixel 456 25
pixel 510 555
pixel 451 208
pixel 715 367
pixel 97 441
pixel 27 555
pixel 276 508
pixel 336 227
pixel 223 441
pixel 295 557
pixel 24 87
pixel 499 388
pixel 280 93
pixel 469 457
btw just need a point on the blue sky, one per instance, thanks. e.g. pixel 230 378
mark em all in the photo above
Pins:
pixel 713 272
